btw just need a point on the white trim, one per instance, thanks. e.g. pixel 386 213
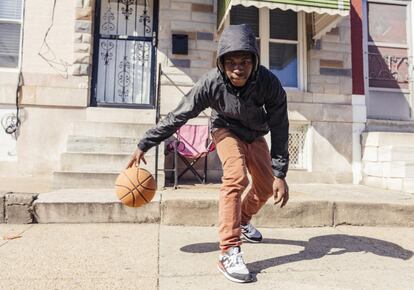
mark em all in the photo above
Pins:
pixel 389 2
pixel 410 52
pixel 264 32
pixel 21 38
pixel 409 46
pixel 389 90
pixel 365 51
pixel 286 41
pixel 9 69
pixel 309 147
pixel 8 20
pixel 357 129
pixel 389 44
pixel 302 72
pixel 20 51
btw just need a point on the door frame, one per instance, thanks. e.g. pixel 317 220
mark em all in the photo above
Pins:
pixel 410 50
pixel 95 61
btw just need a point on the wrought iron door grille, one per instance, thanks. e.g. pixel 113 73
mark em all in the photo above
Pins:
pixel 298 146
pixel 125 52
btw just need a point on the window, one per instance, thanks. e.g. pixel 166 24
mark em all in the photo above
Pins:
pixel 10 32
pixel 279 33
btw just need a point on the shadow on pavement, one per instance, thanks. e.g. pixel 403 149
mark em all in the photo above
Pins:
pixel 316 248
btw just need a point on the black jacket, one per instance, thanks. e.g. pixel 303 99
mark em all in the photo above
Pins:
pixel 249 112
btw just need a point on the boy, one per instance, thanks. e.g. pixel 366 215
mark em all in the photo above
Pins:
pixel 247 101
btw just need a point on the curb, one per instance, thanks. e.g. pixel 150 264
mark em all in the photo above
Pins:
pixel 197 207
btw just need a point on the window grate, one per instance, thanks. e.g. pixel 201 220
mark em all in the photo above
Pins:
pixel 298 147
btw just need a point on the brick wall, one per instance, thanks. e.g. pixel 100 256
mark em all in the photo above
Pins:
pixel 197 19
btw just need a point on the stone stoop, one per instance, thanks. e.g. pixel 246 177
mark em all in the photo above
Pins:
pixel 97 150
pixel 388 160
pixel 310 205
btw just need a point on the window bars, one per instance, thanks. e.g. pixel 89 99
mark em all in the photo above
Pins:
pixel 298 149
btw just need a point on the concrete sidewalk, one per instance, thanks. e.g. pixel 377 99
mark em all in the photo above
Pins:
pixel 154 256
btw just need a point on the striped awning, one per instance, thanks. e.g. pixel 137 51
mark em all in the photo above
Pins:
pixel 328 12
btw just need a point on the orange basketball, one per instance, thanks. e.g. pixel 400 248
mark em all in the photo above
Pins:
pixel 135 186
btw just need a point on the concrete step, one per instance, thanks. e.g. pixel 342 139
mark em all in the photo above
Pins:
pixel 105 129
pixel 91 206
pixel 77 179
pixel 101 144
pixel 310 205
pixel 99 162
pixel 374 125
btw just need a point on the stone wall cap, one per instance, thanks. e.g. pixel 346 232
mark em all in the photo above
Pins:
pixel 20 198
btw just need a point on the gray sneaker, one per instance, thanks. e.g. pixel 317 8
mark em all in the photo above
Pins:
pixel 251 234
pixel 231 264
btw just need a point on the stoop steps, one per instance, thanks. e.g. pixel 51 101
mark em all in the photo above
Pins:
pixel 97 149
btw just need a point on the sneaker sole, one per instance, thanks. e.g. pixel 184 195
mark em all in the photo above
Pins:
pixel 230 277
pixel 250 240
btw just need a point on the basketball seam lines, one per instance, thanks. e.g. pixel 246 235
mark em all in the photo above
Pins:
pixel 125 193
pixel 135 187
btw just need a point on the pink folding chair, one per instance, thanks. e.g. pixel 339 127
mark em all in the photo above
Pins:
pixel 192 144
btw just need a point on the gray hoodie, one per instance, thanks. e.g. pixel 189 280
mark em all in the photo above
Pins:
pixel 249 112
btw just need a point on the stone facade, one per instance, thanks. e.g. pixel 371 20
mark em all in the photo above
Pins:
pixel 82 49
pixel 56 87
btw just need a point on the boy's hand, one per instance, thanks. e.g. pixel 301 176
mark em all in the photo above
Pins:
pixel 136 157
pixel 280 191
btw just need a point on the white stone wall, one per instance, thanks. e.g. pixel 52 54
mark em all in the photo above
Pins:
pixel 52 95
pixel 388 160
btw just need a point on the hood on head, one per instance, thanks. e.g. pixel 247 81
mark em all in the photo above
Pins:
pixel 237 38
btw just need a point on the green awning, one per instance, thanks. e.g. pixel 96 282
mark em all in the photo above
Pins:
pixel 330 8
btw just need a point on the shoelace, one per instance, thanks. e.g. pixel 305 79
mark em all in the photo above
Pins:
pixel 234 259
pixel 249 229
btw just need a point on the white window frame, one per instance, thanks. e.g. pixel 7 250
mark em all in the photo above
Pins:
pixel 16 21
pixel 264 35
pixel 366 43
pixel 409 46
pixel 264 38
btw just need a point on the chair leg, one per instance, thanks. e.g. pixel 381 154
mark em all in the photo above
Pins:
pixel 191 168
pixel 175 166
pixel 205 170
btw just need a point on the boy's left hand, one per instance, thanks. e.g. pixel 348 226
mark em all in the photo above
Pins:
pixel 280 191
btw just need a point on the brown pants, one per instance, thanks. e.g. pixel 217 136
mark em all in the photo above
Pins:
pixel 238 158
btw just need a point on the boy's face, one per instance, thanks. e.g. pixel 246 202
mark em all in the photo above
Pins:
pixel 238 66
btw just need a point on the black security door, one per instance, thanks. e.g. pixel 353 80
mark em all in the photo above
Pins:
pixel 124 54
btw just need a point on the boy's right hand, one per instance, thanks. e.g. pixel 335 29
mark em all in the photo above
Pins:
pixel 136 157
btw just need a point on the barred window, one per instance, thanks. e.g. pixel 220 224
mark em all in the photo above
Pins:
pixel 10 32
